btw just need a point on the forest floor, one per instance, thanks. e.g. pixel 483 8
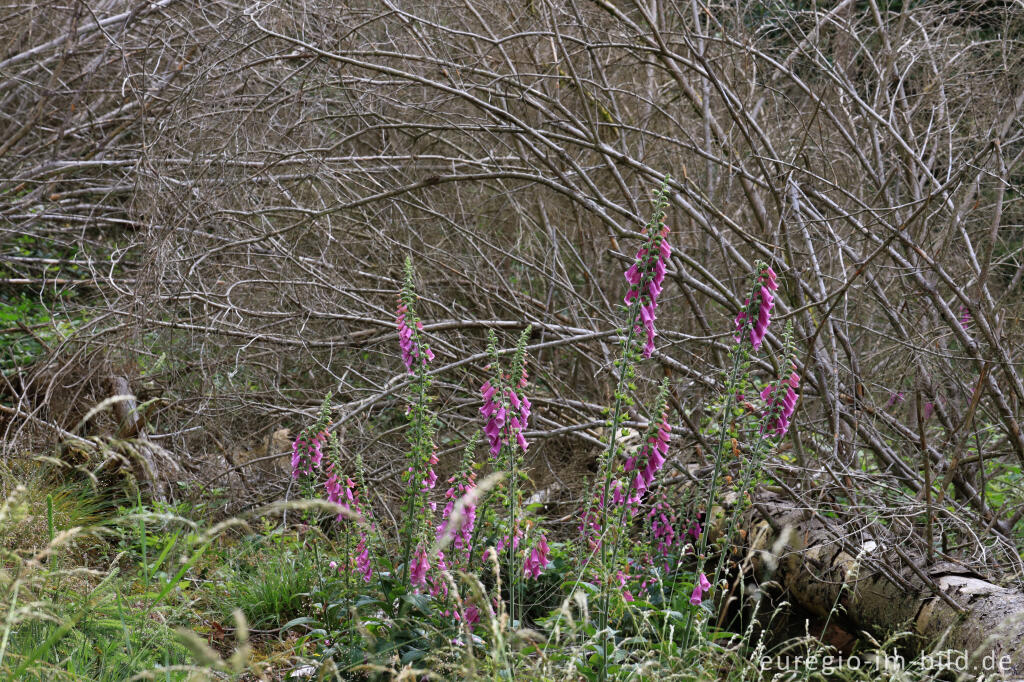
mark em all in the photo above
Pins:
pixel 96 588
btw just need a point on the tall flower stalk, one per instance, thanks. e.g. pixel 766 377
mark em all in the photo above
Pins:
pixel 640 469
pixel 645 277
pixel 419 475
pixel 364 566
pixel 316 458
pixel 754 317
pixel 308 447
pixel 642 466
pixel 773 423
pixel 751 324
pixel 460 484
pixel 506 410
pixel 344 491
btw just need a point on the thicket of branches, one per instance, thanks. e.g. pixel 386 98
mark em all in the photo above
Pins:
pixel 229 189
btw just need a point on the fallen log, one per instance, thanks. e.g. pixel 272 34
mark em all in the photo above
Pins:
pixel 821 566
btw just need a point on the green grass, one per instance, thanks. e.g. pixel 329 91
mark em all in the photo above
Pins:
pixel 76 602
pixel 88 633
pixel 271 585
pixel 111 601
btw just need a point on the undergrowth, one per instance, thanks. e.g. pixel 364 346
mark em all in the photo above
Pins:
pixel 471 582
pixel 126 597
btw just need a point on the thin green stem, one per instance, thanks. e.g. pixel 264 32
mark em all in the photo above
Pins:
pixel 513 576
pixel 608 463
pixel 411 517
pixel 712 489
pixel 513 511
pixel 748 472
pixel 625 372
pixel 775 407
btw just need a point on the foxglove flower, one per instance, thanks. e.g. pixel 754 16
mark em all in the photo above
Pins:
pixel 463 535
pixel 650 459
pixel 341 491
pixel 520 413
pixel 538 559
pixel 410 346
pixel 333 487
pixel 662 526
pixel 430 480
pixel 496 415
pixel 504 540
pixel 702 586
pixel 765 297
pixel 965 317
pixel 895 399
pixel 590 524
pixel 780 423
pixel 623 578
pixel 438 585
pixel 646 277
pixel 471 614
pixel 307 453
pixel 618 496
pixel 363 564
pixel 420 564
pixel 696 529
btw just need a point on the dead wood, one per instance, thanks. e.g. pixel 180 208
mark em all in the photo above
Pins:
pixel 823 566
pixel 128 450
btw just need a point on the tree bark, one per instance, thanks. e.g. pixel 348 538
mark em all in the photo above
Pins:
pixel 822 566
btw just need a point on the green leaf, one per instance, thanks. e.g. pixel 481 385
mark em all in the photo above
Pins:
pixel 295 622
pixel 413 655
pixel 367 600
pixel 420 602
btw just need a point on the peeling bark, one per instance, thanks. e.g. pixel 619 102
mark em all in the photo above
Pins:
pixel 821 566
